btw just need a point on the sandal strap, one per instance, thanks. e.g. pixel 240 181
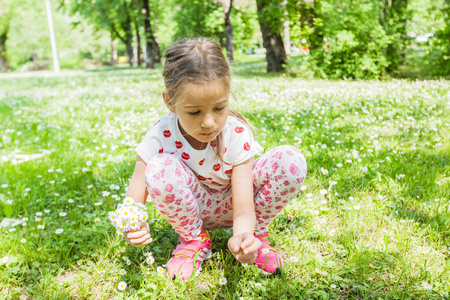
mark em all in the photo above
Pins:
pixel 263 238
pixel 266 246
pixel 191 248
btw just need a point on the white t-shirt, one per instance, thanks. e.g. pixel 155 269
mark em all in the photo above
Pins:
pixel 165 137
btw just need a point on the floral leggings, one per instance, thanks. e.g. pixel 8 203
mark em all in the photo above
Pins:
pixel 188 205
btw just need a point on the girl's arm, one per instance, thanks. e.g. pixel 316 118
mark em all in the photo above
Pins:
pixel 138 191
pixel 244 219
pixel 243 244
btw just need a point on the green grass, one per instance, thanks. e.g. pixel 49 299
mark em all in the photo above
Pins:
pixel 371 223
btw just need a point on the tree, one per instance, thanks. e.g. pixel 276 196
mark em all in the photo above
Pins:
pixel 199 18
pixel 153 51
pixel 115 16
pixel 270 15
pixel 5 14
pixel 441 44
pixel 227 5
pixel 394 17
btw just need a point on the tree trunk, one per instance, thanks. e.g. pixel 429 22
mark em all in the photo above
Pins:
pixel 287 30
pixel 4 65
pixel 272 41
pixel 128 39
pixel 227 5
pixel 153 51
pixel 307 16
pixel 287 37
pixel 138 46
pixel 113 52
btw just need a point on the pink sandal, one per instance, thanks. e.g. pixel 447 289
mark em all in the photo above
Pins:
pixel 268 260
pixel 182 263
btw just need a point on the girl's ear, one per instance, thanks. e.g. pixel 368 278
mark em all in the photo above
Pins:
pixel 168 101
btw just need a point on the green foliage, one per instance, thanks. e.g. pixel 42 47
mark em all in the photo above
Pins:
pixel 352 39
pixel 199 18
pixel 245 26
pixel 441 43
pixel 272 14
pixel 29 37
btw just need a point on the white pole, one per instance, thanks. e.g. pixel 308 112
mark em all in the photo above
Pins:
pixel 52 36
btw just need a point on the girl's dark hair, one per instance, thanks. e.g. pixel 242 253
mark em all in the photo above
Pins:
pixel 197 61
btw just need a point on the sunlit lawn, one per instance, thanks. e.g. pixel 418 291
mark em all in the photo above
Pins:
pixel 372 221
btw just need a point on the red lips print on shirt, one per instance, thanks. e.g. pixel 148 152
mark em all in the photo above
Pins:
pixel 178 144
pixel 247 147
pixel 213 143
pixel 239 129
pixel 201 162
pixel 185 156
pixel 167 133
pixel 216 167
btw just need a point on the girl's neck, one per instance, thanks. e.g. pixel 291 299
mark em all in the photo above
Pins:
pixel 193 142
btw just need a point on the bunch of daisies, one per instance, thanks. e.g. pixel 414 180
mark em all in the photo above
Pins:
pixel 128 215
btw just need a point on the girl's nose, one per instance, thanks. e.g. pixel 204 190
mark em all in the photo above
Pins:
pixel 208 121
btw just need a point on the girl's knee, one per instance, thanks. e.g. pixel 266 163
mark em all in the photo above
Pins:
pixel 161 168
pixel 293 161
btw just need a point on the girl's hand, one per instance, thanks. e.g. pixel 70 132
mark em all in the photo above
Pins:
pixel 139 237
pixel 244 247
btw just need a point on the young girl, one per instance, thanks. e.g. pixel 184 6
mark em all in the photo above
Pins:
pixel 197 164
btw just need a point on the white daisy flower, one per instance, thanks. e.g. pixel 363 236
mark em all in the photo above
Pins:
pixel 222 280
pixel 426 286
pixel 41 226
pixel 258 284
pixel 122 286
pixel 62 214
pixel 293 259
pixel 59 230
pixel 122 272
pixel 160 270
pixel 150 260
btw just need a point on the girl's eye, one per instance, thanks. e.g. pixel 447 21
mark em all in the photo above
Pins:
pixel 220 108
pixel 194 113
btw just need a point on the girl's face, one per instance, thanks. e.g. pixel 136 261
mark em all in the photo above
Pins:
pixel 202 113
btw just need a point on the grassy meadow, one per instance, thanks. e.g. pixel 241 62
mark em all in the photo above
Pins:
pixel 372 220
